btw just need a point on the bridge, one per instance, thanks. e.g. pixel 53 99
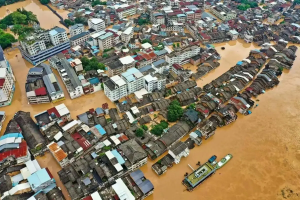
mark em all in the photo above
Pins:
pixel 60 17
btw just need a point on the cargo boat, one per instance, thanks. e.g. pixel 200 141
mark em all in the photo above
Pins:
pixel 199 175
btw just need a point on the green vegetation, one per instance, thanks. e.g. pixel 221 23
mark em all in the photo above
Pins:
pixel 174 45
pixel 295 2
pixel 247 4
pixel 265 7
pixel 20 30
pixel 160 46
pixel 146 40
pixel 102 86
pixel 142 21
pixel 174 111
pixel 139 132
pixel 178 45
pixel 168 93
pixel 101 154
pixel 159 128
pixel 144 127
pixel 282 22
pixel 106 148
pixel 106 50
pixel 91 64
pixel 81 20
pixel 44 2
pixel 68 22
pixel 6 39
pixel 192 106
pixel 20 16
pixel 105 55
pixel 97 2
pixel 7 2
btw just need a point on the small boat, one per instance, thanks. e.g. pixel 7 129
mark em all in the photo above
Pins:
pixel 223 161
pixel 212 160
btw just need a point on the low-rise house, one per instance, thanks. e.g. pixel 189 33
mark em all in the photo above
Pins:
pixel 179 150
pixel 136 155
pixel 79 39
pixel 58 153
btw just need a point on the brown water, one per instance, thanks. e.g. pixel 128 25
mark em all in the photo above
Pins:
pixel 46 18
pixel 265 145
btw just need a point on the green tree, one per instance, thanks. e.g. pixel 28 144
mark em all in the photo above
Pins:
pixel 296 2
pixel 174 45
pixel 44 2
pixel 17 29
pixel 174 111
pixel 157 130
pixel 178 45
pixel 105 55
pixel 68 22
pixel 94 3
pixel 144 127
pixel 85 61
pixel 192 106
pixel 19 18
pixel 139 132
pixel 146 41
pixel 6 39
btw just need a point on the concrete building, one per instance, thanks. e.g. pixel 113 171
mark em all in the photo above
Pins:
pixel 76 29
pixel 77 65
pixel 54 89
pixel 127 62
pixel 182 57
pixel 42 44
pixel 35 87
pixel 106 41
pixel 135 154
pixel 178 151
pixel 127 35
pixel 134 80
pixel 115 88
pixel 96 24
pixel 156 82
pixel 234 34
pixel 70 79
pixel 79 39
pixel 58 153
pixel 7 84
pixel 158 18
pixel 125 10
pixel 223 12
pixel 41 180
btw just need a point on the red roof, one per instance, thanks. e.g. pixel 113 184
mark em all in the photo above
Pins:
pixel 2 82
pixel 123 138
pixel 65 51
pixel 53 110
pixel 139 58
pixel 152 55
pixel 17 153
pixel 88 198
pixel 40 91
pixel 81 141
pixel 176 66
pixel 163 26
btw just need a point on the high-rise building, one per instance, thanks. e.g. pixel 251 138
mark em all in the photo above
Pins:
pixel 7 84
pixel 76 29
pixel 115 88
pixel 96 24
pixel 42 44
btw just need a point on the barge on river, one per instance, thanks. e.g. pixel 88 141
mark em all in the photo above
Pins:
pixel 194 179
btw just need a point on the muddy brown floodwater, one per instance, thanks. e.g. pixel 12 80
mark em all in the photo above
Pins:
pixel 46 18
pixel 264 145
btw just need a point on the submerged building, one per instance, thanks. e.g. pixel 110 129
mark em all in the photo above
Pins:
pixel 42 44
pixel 7 82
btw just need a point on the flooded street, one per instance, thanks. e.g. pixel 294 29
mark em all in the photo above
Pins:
pixel 264 145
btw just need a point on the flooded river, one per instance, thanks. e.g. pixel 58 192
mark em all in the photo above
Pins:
pixel 46 18
pixel 264 145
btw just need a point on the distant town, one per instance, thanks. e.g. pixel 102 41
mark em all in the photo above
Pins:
pixel 146 58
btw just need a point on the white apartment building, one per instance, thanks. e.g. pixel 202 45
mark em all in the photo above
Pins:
pixel 156 82
pixel 76 29
pixel 134 80
pixel 106 41
pixel 115 88
pixel 58 36
pixel 70 79
pixel 6 87
pixel 125 10
pixel 42 44
pixel 127 62
pixel 178 151
pixel 182 57
pixel 127 35
pixel 96 24
pixel 79 39
pixel 158 18
pixel 223 12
